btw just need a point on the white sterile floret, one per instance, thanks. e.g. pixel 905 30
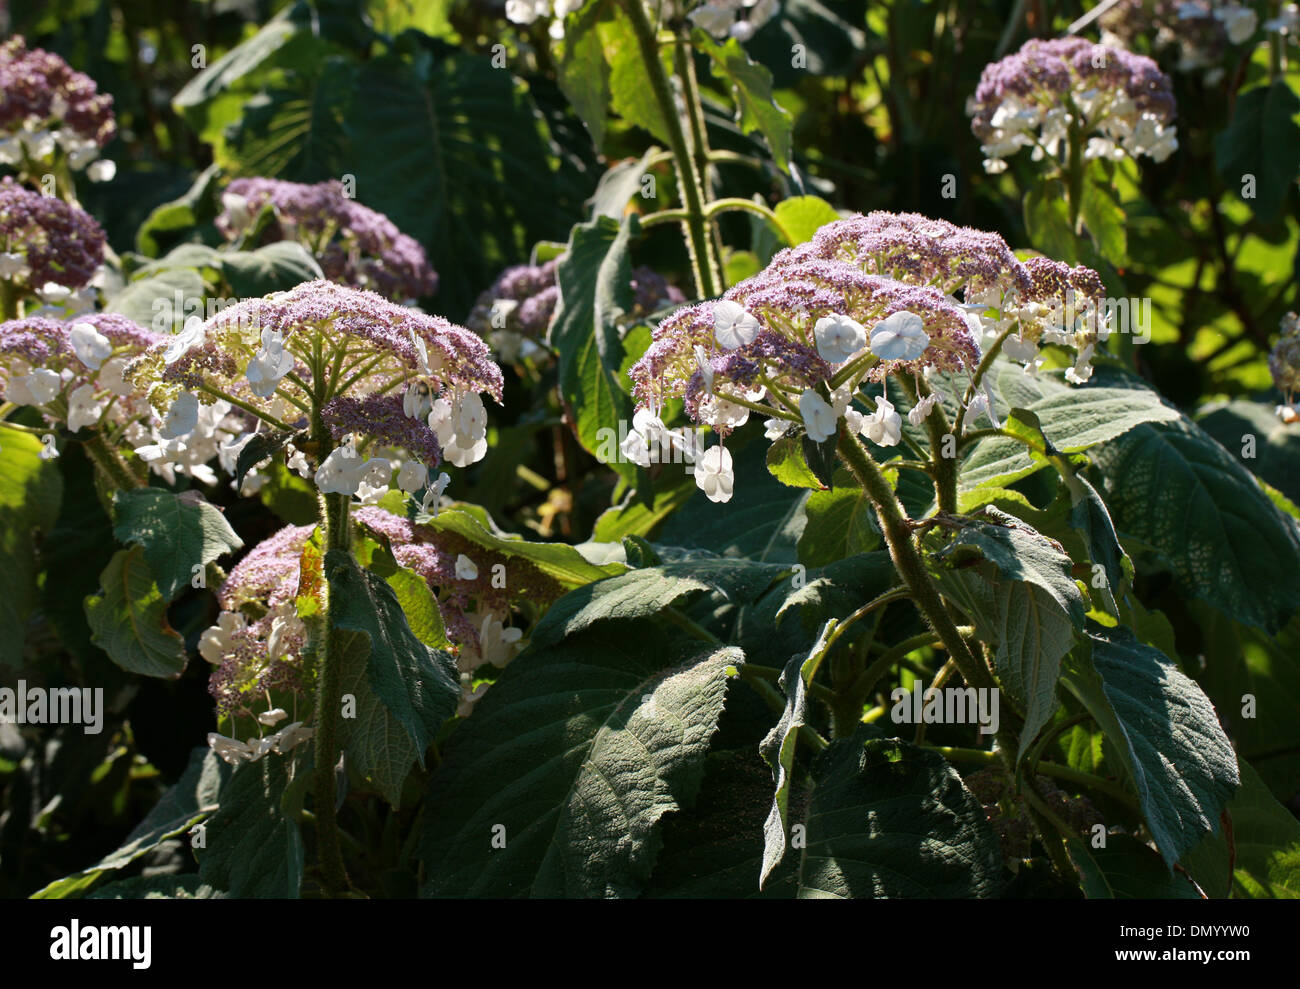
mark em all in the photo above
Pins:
pixel 91 347
pixel 215 642
pixel 83 410
pixel 1238 22
pixel 433 494
pixel 466 569
pixel 884 427
pixel 192 335
pixel 644 444
pixel 819 417
pixel 417 400
pixel 36 388
pixel 714 475
pixel 922 409
pixel 732 326
pixel 900 337
pixel 182 417
pixel 271 363
pixel 412 476
pixel 839 338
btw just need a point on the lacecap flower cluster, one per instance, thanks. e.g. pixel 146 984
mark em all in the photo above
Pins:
pixel 354 245
pixel 48 248
pixel 868 297
pixel 394 378
pixel 514 314
pixel 1121 102
pixel 48 110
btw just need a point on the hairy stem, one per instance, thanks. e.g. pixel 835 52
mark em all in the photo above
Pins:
pixel 696 229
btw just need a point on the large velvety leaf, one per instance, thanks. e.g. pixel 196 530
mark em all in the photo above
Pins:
pixel 645 592
pixel 594 280
pixel 1265 854
pixel 1020 554
pixel 1181 763
pixel 1262 143
pixel 582 72
pixel 377 745
pixel 1073 419
pixel 887 819
pixel 751 87
pixel 1261 442
pixel 152 301
pixel 569 762
pixel 559 561
pixel 176 532
pixel 274 268
pixel 429 135
pixel 778 750
pixel 30 493
pixel 840 525
pixel 129 619
pixel 1126 869
pixel 187 803
pixel 417 684
pixel 253 844
pixel 1175 489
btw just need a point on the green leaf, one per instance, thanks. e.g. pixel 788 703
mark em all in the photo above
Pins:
pixel 582 72
pixel 240 61
pixel 1020 554
pixel 631 93
pixel 1265 852
pixel 375 742
pixel 420 607
pixel 184 805
pixel 274 268
pixel 1073 419
pixel 418 684
pixel 633 518
pixel 1126 869
pixel 189 887
pixel 887 819
pixel 594 279
pixel 152 301
pixel 128 620
pixel 645 592
pixel 1168 736
pixel 1175 489
pixel 1263 143
pixel 1090 516
pixel 778 749
pixel 1104 217
pixel 176 533
pixel 31 491
pixel 802 216
pixel 253 845
pixel 426 137
pixel 1047 221
pixel 617 186
pixel 839 526
pixel 165 224
pixel 751 87
pixel 1261 442
pixel 568 764
pixel 558 561
pixel 787 462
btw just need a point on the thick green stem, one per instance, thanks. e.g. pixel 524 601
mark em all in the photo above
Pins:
pixel 907 558
pixel 338 535
pixel 685 63
pixel 10 304
pixel 943 469
pixel 696 228
pixel 108 460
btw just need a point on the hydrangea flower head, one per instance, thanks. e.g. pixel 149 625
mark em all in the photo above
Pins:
pixel 514 314
pixel 46 245
pixel 348 351
pixel 47 110
pixel 354 245
pixel 1121 101
pixel 1284 363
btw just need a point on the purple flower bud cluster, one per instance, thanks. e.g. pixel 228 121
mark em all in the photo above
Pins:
pixel 523 298
pixel 1284 360
pixel 354 245
pixel 382 418
pixel 38 88
pixel 1045 72
pixel 44 240
pixel 380 343
pixel 46 342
